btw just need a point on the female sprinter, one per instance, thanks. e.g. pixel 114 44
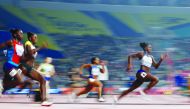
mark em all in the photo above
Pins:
pixel 28 66
pixel 15 51
pixel 143 74
pixel 94 68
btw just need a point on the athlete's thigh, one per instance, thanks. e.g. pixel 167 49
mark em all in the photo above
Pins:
pixel 150 77
pixel 96 83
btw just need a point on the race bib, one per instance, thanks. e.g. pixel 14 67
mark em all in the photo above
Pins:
pixel 19 50
pixel 143 74
pixel 13 72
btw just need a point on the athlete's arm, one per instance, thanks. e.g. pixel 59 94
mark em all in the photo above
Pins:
pixel 84 66
pixel 102 70
pixel 155 64
pixel 131 57
pixel 44 45
pixel 6 44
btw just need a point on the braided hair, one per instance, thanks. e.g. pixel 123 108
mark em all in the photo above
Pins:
pixel 143 45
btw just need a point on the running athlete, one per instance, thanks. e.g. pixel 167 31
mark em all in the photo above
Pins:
pixel 28 65
pixel 15 50
pixel 94 68
pixel 47 70
pixel 143 74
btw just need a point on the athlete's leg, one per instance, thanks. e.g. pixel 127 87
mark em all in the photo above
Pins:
pixel 86 90
pixel 13 78
pixel 47 88
pixel 36 76
pixel 135 85
pixel 98 84
pixel 153 81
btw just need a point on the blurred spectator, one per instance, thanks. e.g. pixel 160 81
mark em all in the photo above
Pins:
pixel 47 70
pixel 103 77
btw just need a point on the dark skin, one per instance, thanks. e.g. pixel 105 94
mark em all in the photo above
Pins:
pixel 7 83
pixel 29 58
pixel 6 44
pixel 148 78
pixel 139 55
pixel 34 74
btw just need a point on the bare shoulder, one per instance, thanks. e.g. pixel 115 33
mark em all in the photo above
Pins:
pixel 141 53
pixel 87 65
pixel 137 55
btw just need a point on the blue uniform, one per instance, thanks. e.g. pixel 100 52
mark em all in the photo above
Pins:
pixel 94 70
pixel 13 55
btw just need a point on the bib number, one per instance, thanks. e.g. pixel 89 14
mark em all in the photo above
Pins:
pixel 143 74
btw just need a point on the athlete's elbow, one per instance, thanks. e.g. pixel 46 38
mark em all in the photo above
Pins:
pixel 102 71
pixel 156 67
pixel 129 57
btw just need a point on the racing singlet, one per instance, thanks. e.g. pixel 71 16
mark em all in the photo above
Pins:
pixel 15 53
pixel 28 43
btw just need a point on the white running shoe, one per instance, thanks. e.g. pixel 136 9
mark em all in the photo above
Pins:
pixel 115 99
pixel 142 92
pixel 101 99
pixel 46 103
pixel 73 97
pixel 145 97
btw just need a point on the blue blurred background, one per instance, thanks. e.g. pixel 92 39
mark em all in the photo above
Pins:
pixel 76 30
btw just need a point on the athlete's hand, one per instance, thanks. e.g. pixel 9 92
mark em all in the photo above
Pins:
pixel 163 56
pixel 102 63
pixel 80 73
pixel 129 68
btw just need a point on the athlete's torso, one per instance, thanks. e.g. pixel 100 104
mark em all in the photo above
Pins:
pixel 146 62
pixel 94 70
pixel 30 60
pixel 15 52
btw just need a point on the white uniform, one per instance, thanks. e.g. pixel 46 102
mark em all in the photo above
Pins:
pixel 104 76
pixel 46 70
pixel 147 60
pixel 95 69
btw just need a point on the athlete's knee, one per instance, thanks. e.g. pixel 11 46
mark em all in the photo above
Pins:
pixel 155 80
pixel 24 70
pixel 42 81
pixel 28 82
pixel 20 81
pixel 87 89
pixel 100 84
